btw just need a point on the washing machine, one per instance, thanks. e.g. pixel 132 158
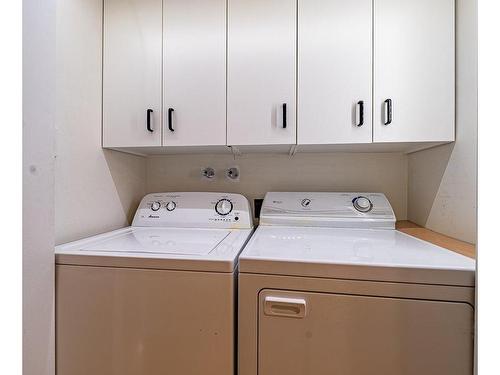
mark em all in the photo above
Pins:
pixel 158 297
pixel 327 286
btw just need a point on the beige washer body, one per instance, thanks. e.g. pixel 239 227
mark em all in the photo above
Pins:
pixel 155 298
pixel 128 321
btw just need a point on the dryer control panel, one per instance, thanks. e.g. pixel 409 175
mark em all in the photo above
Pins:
pixel 335 210
pixel 194 210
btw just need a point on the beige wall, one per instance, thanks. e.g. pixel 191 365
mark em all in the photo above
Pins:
pixel 96 190
pixel 442 180
pixel 260 173
pixel 39 105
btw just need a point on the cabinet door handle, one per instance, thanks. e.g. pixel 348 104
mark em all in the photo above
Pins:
pixel 361 113
pixel 388 111
pixel 148 120
pixel 284 115
pixel 170 125
pixel 284 306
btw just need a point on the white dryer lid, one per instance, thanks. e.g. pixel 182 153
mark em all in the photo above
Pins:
pixel 361 254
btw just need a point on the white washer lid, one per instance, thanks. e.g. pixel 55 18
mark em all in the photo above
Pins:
pixel 179 241
pixel 160 248
pixel 361 254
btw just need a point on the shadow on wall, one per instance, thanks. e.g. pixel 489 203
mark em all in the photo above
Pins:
pixel 425 174
pixel 129 182
pixel 96 190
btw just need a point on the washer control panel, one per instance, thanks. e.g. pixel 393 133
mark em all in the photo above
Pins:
pixel 194 210
pixel 336 210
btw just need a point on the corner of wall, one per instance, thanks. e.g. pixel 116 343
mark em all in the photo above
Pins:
pixel 442 182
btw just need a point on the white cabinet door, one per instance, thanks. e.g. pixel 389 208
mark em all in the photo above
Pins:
pixel 414 49
pixel 194 72
pixel 132 73
pixel 261 72
pixel 335 71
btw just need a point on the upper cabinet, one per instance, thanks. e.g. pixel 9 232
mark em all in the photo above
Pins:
pixel 291 75
pixel 414 70
pixel 335 71
pixel 194 75
pixel 132 73
pixel 261 98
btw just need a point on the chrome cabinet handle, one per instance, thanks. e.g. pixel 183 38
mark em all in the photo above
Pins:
pixel 170 124
pixel 360 113
pixel 284 306
pixel 148 120
pixel 388 111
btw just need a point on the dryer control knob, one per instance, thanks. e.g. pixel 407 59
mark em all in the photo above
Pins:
pixel 224 207
pixel 171 206
pixel 362 204
pixel 155 206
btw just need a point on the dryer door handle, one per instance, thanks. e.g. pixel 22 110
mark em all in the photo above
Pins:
pixel 284 306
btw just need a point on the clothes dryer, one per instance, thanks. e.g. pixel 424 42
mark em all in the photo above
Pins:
pixel 328 286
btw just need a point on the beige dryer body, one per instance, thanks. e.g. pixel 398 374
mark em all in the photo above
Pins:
pixel 352 327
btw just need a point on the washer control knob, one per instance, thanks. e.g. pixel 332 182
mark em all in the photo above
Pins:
pixel 305 202
pixel 362 204
pixel 223 207
pixel 155 206
pixel 171 206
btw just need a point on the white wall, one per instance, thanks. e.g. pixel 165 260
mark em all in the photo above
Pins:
pixel 96 190
pixel 260 173
pixel 442 180
pixel 39 39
